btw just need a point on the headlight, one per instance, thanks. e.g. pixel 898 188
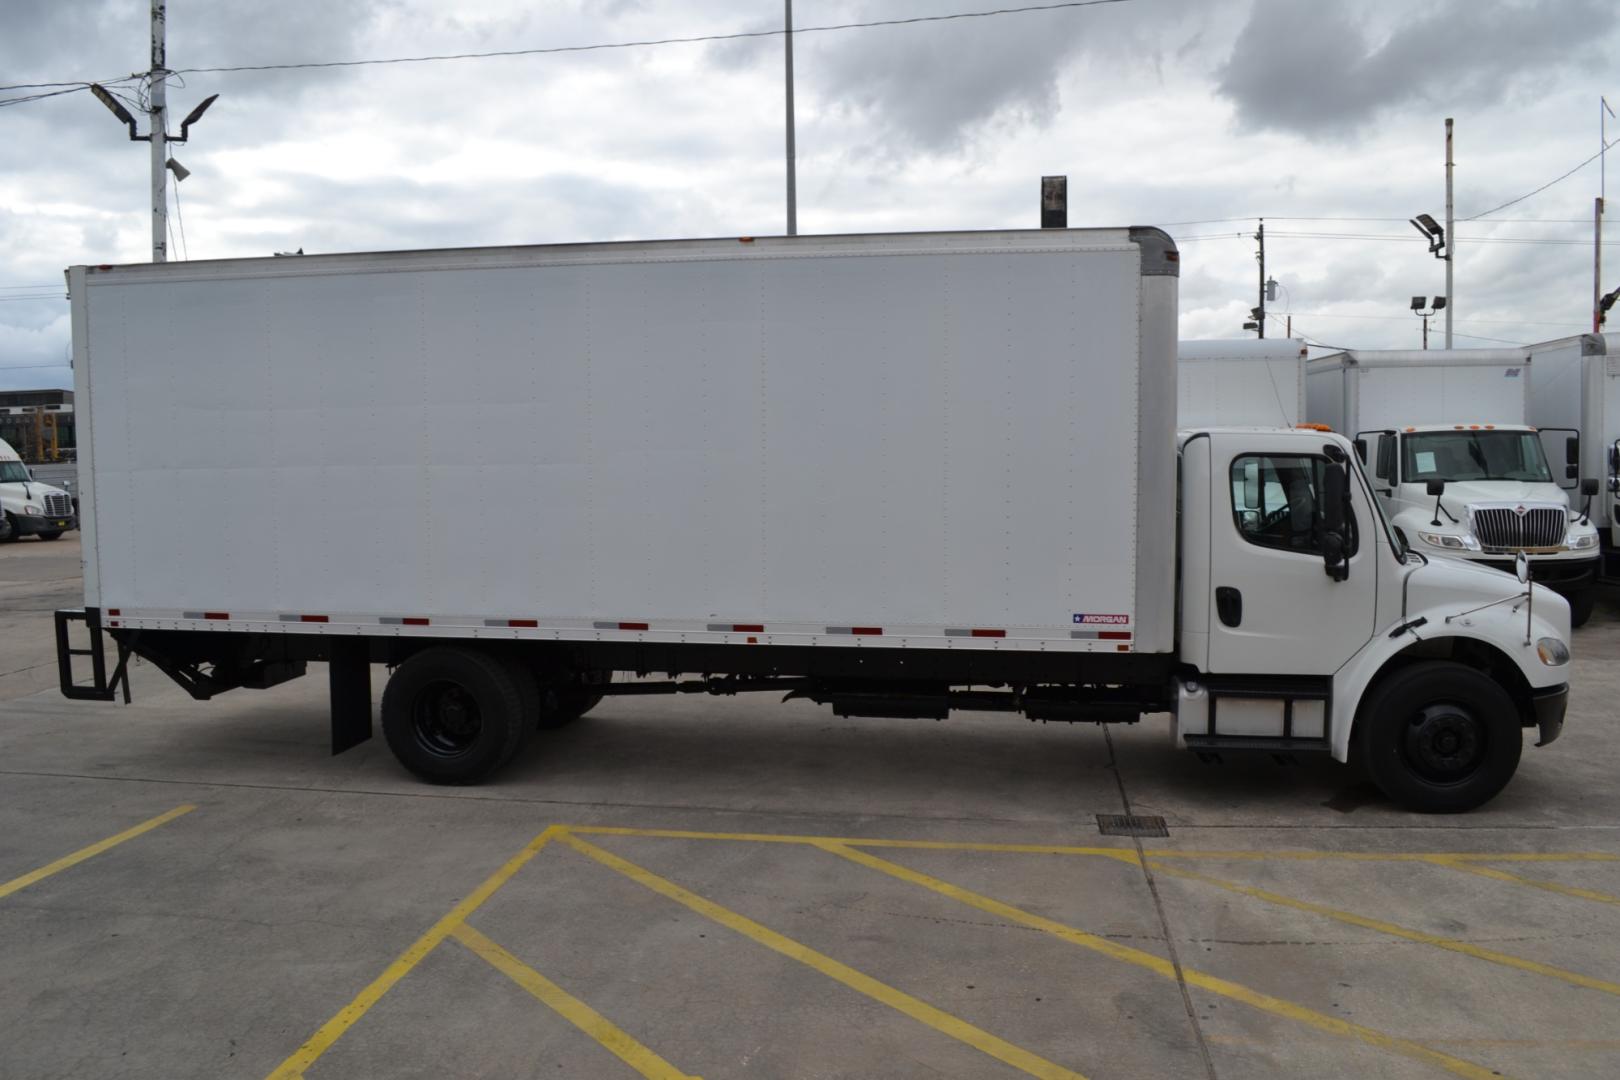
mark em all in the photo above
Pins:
pixel 1447 541
pixel 1581 543
pixel 30 508
pixel 1553 653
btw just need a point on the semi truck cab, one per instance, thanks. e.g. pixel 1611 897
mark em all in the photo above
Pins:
pixel 1484 493
pixel 32 508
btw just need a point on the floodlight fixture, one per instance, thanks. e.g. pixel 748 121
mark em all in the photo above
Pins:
pixel 1419 303
pixel 179 170
pixel 1432 231
pixel 1439 303
pixel 1430 224
pixel 193 116
pixel 116 107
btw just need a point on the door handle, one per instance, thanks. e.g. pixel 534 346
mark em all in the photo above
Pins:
pixel 1386 492
pixel 1229 605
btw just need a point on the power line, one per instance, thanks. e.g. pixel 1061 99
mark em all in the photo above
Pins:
pixel 1540 189
pixel 742 35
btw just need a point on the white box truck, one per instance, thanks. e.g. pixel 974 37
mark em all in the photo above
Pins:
pixel 1577 385
pixel 895 474
pixel 1249 382
pixel 1461 469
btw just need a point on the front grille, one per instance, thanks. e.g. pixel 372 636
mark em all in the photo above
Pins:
pixel 1504 528
pixel 58 505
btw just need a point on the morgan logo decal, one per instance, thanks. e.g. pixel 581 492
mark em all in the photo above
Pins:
pixel 1102 620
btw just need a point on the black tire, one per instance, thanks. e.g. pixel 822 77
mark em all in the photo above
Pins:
pixel 453 716
pixel 54 534
pixel 1581 605
pixel 563 703
pixel 14 534
pixel 1439 737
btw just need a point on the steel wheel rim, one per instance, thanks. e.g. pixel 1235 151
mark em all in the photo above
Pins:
pixel 1444 743
pixel 446 720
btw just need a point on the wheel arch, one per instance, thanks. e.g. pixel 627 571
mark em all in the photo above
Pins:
pixel 1354 684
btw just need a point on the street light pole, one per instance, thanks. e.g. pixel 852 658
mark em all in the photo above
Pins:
pixel 792 153
pixel 159 103
pixel 1451 243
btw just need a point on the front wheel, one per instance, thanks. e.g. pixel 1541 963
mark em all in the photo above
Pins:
pixel 1439 737
pixel 454 716
pixel 54 534
pixel 1581 605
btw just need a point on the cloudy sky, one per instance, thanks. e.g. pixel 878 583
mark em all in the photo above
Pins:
pixel 1324 116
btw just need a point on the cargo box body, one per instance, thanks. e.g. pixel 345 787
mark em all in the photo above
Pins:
pixel 903 441
pixel 1240 383
pixel 1374 390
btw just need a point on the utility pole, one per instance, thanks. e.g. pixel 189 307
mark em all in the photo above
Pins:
pixel 1451 245
pixel 792 153
pixel 1604 112
pixel 160 120
pixel 1260 237
pixel 158 134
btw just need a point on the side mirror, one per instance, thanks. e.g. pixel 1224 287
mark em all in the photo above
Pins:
pixel 1437 488
pixel 1571 471
pixel 1335 510
pixel 1521 568
pixel 1589 487
pixel 1251 486
pixel 1572 451
pixel 1361 450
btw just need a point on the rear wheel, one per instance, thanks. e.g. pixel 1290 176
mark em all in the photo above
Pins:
pixel 1439 737
pixel 453 716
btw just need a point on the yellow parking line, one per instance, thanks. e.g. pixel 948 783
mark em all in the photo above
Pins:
pixel 1393 930
pixel 1124 853
pixel 919 1010
pixel 331 1031
pixel 1468 866
pixel 19 883
pixel 570 1008
pixel 1161 966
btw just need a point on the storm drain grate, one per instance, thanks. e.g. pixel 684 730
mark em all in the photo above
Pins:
pixel 1131 825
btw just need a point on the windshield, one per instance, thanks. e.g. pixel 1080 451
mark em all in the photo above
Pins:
pixel 13 472
pixel 1455 456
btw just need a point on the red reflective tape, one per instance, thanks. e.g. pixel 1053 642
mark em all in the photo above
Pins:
pixel 313 618
pixel 866 629
pixel 1114 635
pixel 531 623
pixel 216 615
pixel 748 628
pixel 632 626
pixel 988 633
pixel 114 611
pixel 414 621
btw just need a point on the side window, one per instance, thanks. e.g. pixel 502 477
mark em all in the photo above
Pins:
pixel 1276 502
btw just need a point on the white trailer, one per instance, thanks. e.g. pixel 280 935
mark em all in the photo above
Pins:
pixel 1248 382
pixel 1461 469
pixel 1577 385
pixel 898 475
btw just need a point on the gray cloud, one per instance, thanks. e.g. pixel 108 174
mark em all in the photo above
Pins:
pixel 1328 67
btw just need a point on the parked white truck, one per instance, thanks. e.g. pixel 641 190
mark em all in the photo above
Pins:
pixel 1249 382
pixel 895 474
pixel 1460 469
pixel 1577 384
pixel 30 507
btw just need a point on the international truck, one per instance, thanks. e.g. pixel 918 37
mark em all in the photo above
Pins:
pixel 1462 471
pixel 1251 382
pixel 30 507
pixel 898 475
pixel 1577 385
